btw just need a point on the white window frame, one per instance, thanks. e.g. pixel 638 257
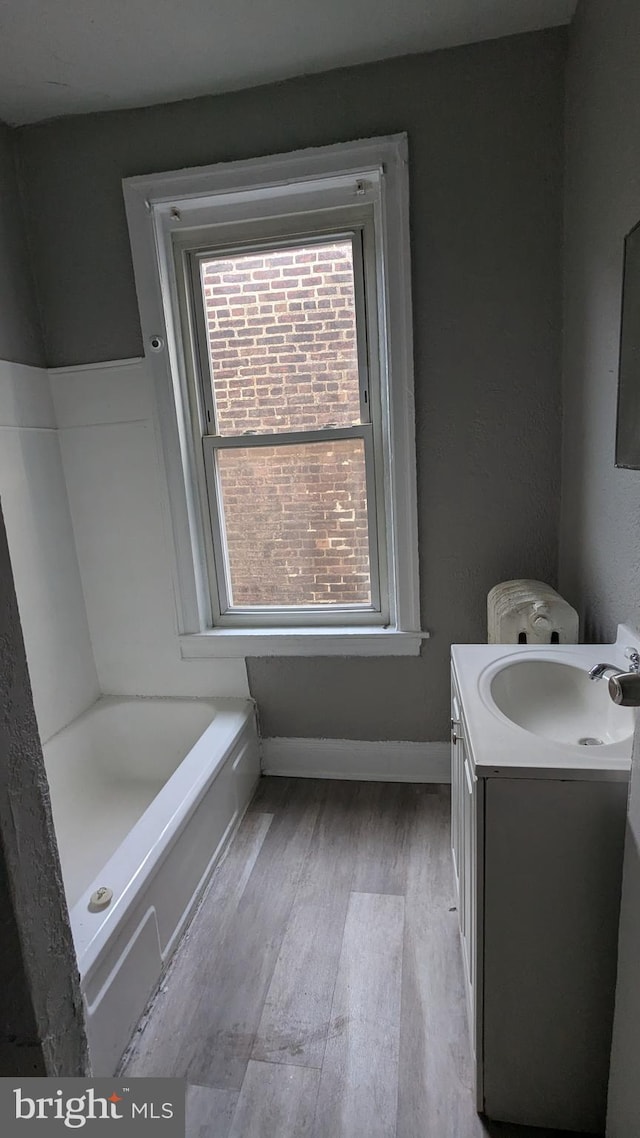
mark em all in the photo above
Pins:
pixel 174 210
pixel 317 229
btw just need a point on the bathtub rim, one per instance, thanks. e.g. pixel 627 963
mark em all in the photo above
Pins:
pixel 158 827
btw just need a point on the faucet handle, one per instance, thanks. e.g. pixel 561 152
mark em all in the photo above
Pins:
pixel 633 656
pixel 624 689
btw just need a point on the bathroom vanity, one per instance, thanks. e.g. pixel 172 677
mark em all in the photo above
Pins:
pixel 540 767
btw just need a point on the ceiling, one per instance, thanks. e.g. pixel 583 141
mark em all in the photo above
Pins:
pixel 61 57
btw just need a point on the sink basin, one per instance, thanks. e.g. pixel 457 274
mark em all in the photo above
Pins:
pixel 558 701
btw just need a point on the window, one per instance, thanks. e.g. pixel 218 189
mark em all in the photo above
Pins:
pixel 274 297
pixel 289 454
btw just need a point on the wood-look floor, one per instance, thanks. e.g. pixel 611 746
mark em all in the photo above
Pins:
pixel 319 991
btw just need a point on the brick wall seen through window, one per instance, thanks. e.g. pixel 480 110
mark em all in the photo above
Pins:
pixel 281 328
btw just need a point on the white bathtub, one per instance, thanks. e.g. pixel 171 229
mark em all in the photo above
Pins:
pixel 145 793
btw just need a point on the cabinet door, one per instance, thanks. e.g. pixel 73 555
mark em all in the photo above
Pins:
pixel 466 845
pixel 468 874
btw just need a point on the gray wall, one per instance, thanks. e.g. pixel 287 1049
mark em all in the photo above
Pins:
pixel 600 532
pixel 485 135
pixel 600 526
pixel 20 337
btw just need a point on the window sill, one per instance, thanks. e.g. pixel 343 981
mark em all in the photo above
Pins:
pixel 301 642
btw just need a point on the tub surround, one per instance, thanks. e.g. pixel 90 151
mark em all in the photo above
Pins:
pixel 40 535
pixel 118 500
pixel 84 498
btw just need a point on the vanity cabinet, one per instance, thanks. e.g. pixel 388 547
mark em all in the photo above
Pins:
pixel 537 861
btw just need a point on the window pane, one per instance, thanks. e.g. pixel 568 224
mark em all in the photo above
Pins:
pixel 281 327
pixel 296 523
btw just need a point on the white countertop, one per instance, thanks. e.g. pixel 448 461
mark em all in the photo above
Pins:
pixel 499 747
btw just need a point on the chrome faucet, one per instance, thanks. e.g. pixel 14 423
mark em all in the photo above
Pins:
pixel 598 671
pixel 632 655
pixel 624 686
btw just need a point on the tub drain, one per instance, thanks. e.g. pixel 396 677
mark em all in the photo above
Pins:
pixel 589 741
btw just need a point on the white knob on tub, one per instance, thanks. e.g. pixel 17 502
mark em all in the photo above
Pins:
pixel 101 898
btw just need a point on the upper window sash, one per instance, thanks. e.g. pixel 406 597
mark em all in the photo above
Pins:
pixel 193 306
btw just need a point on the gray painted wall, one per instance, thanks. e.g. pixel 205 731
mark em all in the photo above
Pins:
pixel 485 133
pixel 20 337
pixel 600 532
pixel 600 526
pixel 41 1021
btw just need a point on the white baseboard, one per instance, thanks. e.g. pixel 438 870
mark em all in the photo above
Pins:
pixel 357 759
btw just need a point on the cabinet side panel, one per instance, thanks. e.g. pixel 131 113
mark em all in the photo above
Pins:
pixel 553 866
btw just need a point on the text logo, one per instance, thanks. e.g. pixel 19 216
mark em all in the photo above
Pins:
pixel 36 1107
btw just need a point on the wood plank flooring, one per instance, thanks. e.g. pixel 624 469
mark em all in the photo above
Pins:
pixel 318 992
